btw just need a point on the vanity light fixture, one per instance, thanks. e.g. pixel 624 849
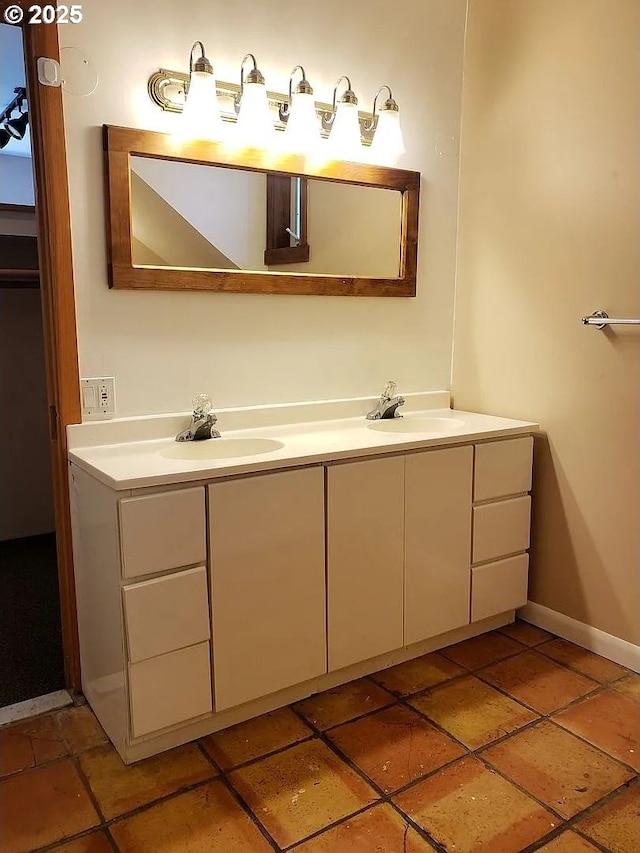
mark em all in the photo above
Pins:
pixel 388 144
pixel 258 113
pixel 344 136
pixel 255 125
pixel 201 116
pixel 299 115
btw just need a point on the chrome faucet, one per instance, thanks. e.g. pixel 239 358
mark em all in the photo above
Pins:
pixel 202 421
pixel 388 404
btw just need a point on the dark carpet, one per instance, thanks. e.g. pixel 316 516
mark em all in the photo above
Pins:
pixel 31 662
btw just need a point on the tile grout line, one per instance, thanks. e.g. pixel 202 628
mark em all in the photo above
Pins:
pixel 599 749
pixel 569 825
pixel 239 798
pixel 68 839
pixel 251 761
pixel 383 796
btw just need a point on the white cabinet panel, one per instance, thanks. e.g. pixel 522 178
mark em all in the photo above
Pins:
pixel 501 528
pixel 162 531
pixel 503 468
pixel 365 554
pixel 166 613
pixel 170 689
pixel 437 541
pixel 500 586
pixel 268 583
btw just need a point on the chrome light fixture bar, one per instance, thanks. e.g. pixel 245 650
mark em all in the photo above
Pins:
pixel 167 88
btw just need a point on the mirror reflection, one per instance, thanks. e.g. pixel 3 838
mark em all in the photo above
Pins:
pixel 190 215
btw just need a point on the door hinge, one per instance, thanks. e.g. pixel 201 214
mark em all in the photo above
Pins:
pixel 53 423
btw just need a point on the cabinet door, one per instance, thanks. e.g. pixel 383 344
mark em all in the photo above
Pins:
pixel 268 583
pixel 437 541
pixel 365 524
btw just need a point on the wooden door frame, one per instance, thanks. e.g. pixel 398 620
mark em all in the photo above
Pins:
pixel 46 119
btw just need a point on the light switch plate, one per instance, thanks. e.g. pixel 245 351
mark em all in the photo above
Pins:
pixel 98 397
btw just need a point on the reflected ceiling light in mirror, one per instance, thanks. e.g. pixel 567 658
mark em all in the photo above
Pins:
pixel 302 130
pixel 201 116
pixel 17 127
pixel 255 125
pixel 388 144
pixel 344 137
pixel 14 128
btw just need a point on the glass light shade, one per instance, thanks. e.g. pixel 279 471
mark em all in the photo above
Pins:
pixel 388 144
pixel 201 116
pixel 254 126
pixel 302 131
pixel 344 139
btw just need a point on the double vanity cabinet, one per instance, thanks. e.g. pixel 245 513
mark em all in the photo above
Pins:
pixel 207 602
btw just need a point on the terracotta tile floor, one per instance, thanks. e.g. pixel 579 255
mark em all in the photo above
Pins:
pixel 514 741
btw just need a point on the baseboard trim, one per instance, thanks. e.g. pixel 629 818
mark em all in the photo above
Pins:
pixel 593 639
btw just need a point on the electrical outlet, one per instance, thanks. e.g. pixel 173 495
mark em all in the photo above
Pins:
pixel 98 397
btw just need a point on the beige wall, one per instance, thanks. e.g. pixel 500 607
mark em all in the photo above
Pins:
pixel 548 233
pixel 242 348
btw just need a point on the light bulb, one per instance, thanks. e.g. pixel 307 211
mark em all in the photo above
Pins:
pixel 254 126
pixel 302 130
pixel 200 115
pixel 344 139
pixel 388 145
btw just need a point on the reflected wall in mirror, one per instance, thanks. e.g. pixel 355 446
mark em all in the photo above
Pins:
pixel 211 217
pixel 200 216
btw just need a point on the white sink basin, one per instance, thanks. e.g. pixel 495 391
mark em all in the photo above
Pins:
pixel 419 424
pixel 220 448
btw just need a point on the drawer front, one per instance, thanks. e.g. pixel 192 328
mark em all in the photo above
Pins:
pixel 162 531
pixel 503 468
pixel 499 586
pixel 501 528
pixel 170 689
pixel 165 614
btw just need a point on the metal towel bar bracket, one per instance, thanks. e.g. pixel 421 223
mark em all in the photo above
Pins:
pixel 600 319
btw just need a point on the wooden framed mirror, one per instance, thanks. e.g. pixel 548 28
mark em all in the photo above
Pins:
pixel 203 216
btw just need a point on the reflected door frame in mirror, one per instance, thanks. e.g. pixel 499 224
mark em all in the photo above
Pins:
pixel 121 143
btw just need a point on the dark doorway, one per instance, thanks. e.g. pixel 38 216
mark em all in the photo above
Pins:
pixel 30 633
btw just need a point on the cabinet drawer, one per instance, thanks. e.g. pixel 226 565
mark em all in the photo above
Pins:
pixel 162 531
pixel 500 586
pixel 501 528
pixel 170 689
pixel 503 468
pixel 165 614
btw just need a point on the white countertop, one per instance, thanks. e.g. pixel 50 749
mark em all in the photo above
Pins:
pixel 132 464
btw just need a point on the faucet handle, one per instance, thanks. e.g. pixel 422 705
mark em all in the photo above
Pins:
pixel 389 390
pixel 202 404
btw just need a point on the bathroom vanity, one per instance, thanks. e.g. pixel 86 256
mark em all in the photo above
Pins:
pixel 214 587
